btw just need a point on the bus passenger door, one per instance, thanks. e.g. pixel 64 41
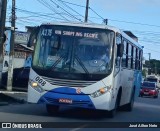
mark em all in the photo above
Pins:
pixel 117 67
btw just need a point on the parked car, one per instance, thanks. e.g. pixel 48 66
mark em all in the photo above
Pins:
pixel 149 89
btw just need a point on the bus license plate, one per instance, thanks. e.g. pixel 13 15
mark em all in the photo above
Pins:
pixel 146 93
pixel 68 101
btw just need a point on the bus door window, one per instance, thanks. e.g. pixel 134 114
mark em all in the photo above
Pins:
pixel 134 57
pixel 124 60
pixel 117 59
pixel 41 54
pixel 118 41
pixel 129 55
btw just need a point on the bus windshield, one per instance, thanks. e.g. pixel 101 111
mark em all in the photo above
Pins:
pixel 152 79
pixel 75 50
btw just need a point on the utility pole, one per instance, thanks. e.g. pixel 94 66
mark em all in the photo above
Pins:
pixel 11 54
pixel 149 56
pixel 2 21
pixel 2 29
pixel 149 70
pixel 155 69
pixel 86 14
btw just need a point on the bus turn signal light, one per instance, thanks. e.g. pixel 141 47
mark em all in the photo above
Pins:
pixel 102 90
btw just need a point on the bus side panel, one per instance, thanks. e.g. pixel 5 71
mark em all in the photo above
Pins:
pixel 127 83
pixel 103 102
pixel 33 95
pixel 116 85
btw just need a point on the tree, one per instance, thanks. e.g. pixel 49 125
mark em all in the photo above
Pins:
pixel 144 72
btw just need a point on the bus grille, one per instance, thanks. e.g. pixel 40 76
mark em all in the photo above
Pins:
pixel 69 83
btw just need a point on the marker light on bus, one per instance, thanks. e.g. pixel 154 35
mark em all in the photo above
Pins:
pixel 100 91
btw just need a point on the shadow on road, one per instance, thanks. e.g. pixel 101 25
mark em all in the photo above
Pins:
pixel 145 109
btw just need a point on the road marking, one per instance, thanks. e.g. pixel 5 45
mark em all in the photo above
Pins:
pixel 11 92
pixel 76 129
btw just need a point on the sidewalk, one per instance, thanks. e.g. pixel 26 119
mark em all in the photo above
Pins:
pixel 7 97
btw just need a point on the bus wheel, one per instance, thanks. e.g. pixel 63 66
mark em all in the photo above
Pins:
pixel 129 106
pixel 112 113
pixel 52 109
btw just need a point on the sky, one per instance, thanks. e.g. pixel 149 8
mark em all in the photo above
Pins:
pixel 142 17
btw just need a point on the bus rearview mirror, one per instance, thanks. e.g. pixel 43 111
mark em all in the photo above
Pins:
pixel 33 37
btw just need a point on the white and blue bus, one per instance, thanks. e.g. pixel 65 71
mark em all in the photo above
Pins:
pixel 84 65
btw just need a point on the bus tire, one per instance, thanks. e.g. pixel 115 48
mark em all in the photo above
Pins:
pixel 113 112
pixel 129 106
pixel 52 109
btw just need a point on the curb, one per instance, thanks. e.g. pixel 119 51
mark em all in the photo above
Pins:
pixel 5 94
pixel 4 103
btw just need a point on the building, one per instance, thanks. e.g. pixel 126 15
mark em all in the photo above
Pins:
pixel 21 62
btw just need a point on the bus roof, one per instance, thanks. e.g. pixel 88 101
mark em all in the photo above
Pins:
pixel 98 26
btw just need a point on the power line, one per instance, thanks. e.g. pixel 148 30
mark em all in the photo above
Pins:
pixel 72 3
pixel 28 22
pixel 148 34
pixel 65 11
pixel 51 8
pixel 144 24
pixel 140 31
pixel 70 8
pixel 73 9
pixel 152 50
pixel 136 23
pixel 96 13
pixel 150 42
pixel 40 15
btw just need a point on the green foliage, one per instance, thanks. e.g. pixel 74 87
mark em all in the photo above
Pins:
pixel 154 65
pixel 144 72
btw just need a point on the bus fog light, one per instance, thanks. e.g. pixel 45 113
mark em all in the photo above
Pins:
pixel 39 89
pixel 94 94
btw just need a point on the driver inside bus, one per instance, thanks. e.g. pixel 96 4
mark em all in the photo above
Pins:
pixel 105 56
pixel 102 55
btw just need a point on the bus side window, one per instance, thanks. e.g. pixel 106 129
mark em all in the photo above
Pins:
pixel 6 64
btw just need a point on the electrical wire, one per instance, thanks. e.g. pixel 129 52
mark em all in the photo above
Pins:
pixel 44 3
pixel 66 11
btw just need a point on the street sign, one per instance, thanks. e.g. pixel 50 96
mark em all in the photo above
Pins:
pixel 21 37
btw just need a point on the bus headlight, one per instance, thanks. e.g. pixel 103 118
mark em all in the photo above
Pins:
pixel 35 86
pixel 100 91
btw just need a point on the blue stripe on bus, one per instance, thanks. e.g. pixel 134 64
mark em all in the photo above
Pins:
pixel 78 100
pixel 137 82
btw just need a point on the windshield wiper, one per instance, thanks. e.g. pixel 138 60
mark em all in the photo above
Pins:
pixel 82 65
pixel 56 63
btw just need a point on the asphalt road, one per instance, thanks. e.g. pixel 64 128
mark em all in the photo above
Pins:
pixel 145 110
